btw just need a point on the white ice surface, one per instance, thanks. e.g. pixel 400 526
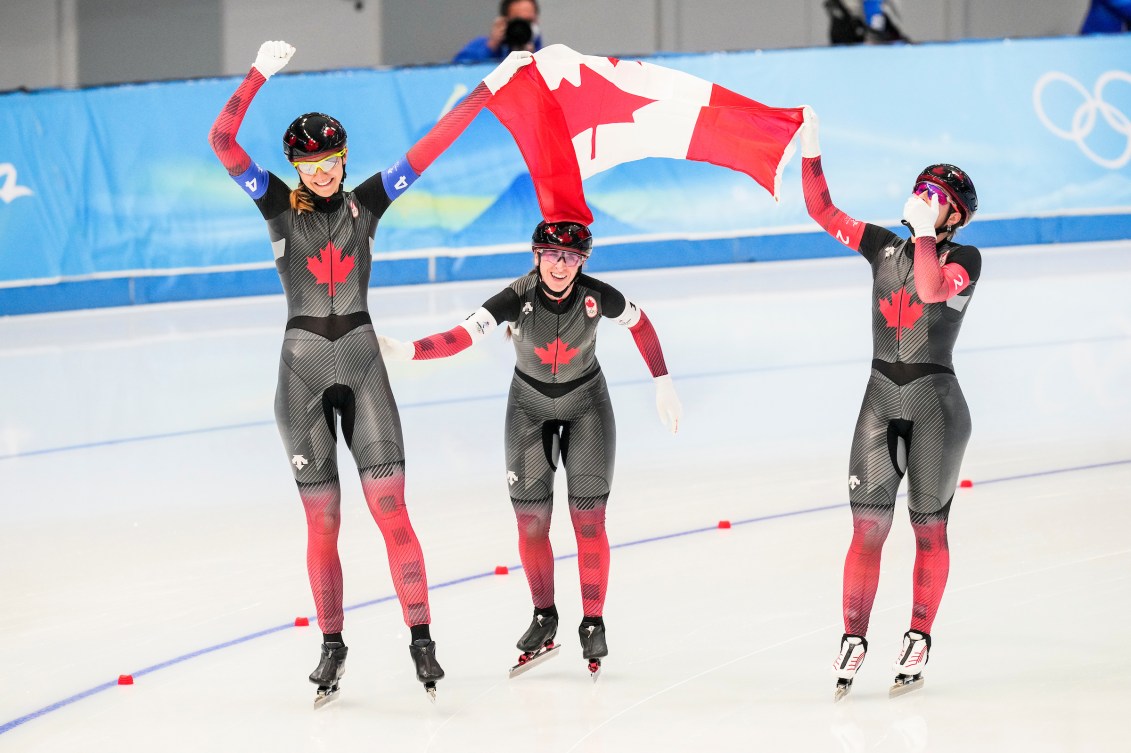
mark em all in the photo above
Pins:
pixel 148 514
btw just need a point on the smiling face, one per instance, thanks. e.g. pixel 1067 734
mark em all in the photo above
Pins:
pixel 328 173
pixel 558 269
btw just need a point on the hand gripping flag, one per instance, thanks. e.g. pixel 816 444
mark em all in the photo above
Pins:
pixel 575 115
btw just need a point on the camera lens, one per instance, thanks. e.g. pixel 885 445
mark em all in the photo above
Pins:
pixel 519 33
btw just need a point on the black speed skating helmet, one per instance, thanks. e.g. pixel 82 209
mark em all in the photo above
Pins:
pixel 569 236
pixel 313 133
pixel 957 185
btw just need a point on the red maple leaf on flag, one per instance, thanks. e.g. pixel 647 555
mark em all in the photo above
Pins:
pixel 556 354
pixel 900 312
pixel 330 266
pixel 597 101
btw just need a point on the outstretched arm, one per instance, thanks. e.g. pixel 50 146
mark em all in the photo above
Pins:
pixel 645 337
pixel 423 153
pixel 836 223
pixel 248 175
pixel 648 343
pixel 502 307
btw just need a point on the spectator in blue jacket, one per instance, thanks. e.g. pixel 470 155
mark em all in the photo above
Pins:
pixel 1107 16
pixel 515 29
pixel 863 21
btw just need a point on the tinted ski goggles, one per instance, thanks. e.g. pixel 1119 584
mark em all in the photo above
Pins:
pixel 554 255
pixel 933 190
pixel 326 164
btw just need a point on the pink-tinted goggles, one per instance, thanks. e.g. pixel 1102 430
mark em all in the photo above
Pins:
pixel 933 190
pixel 554 255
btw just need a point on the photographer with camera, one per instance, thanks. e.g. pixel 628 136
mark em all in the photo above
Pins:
pixel 515 28
pixel 863 22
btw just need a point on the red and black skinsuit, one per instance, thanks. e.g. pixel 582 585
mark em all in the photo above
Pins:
pixel 331 364
pixel 914 418
pixel 558 409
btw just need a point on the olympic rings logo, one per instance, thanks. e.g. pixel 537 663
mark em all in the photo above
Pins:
pixel 1084 119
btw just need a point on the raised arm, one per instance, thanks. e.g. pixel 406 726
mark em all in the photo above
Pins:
pixel 423 153
pixel 250 176
pixel 934 282
pixel 836 223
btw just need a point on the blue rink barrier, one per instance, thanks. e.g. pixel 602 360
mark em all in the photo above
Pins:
pixel 96 214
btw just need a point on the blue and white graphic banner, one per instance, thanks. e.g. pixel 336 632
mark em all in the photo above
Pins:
pixel 112 196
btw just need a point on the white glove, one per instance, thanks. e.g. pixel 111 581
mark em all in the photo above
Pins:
pixel 506 69
pixel 810 144
pixel 272 57
pixel 921 216
pixel 395 350
pixel 667 404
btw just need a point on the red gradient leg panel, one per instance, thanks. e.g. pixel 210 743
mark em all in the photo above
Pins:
pixel 534 548
pixel 322 503
pixel 588 516
pixel 862 567
pixel 932 566
pixel 383 486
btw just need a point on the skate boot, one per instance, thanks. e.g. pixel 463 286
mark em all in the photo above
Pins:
pixel 537 643
pixel 847 662
pixel 593 646
pixel 428 670
pixel 909 664
pixel 331 667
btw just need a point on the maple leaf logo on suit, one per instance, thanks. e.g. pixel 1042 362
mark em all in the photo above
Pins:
pixel 330 267
pixel 556 354
pixel 900 312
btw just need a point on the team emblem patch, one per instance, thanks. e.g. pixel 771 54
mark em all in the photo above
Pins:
pixel 527 307
pixel 590 306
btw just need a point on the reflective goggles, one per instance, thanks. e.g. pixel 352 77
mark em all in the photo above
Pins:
pixel 933 190
pixel 326 164
pixel 554 255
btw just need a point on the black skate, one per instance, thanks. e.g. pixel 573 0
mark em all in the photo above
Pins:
pixel 537 643
pixel 331 667
pixel 593 646
pixel 910 663
pixel 428 670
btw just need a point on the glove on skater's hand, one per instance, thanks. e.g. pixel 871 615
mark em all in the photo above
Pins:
pixel 810 143
pixel 395 350
pixel 272 57
pixel 667 404
pixel 921 216
pixel 506 69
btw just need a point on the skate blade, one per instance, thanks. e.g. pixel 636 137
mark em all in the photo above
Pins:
pixel 430 689
pixel 534 661
pixel 842 688
pixel 595 669
pixel 904 686
pixel 325 697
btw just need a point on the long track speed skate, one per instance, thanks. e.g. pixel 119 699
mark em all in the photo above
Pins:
pixel 537 643
pixel 853 648
pixel 910 663
pixel 331 667
pixel 428 669
pixel 593 645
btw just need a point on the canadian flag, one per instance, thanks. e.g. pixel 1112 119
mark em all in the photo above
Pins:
pixel 576 115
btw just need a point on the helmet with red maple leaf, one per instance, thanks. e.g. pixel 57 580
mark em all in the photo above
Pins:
pixel 312 134
pixel 957 185
pixel 568 236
